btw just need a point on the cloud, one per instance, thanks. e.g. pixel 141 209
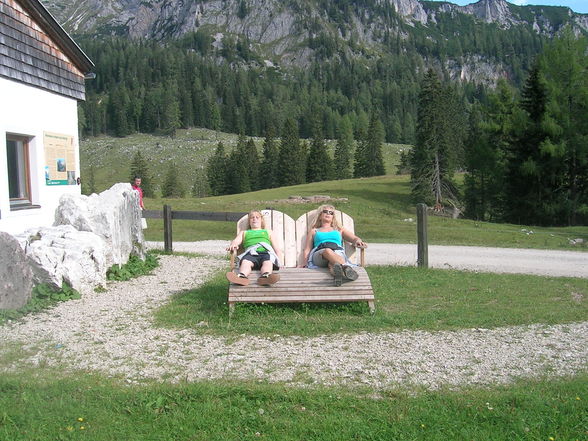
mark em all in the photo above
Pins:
pixel 520 2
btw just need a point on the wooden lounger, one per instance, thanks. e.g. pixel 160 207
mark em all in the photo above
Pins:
pixel 301 285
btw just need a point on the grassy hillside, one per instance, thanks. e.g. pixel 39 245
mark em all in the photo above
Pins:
pixel 381 206
pixel 189 150
pixel 382 210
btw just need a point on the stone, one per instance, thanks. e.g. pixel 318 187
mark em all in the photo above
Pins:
pixel 16 277
pixel 62 254
pixel 114 215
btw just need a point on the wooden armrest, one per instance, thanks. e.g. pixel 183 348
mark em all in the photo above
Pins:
pixel 232 259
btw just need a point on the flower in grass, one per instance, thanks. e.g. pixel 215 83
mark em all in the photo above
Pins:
pixel 578 398
pixel 489 407
pixel 82 428
pixel 69 428
pixel 80 419
pixel 551 438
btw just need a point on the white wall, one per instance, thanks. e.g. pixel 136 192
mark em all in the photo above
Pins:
pixel 30 111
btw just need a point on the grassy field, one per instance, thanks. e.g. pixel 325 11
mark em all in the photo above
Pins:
pixel 188 150
pixel 381 208
pixel 91 408
pixel 49 403
pixel 407 298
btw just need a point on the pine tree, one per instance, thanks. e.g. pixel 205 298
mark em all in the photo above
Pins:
pixel 251 158
pixel 373 155
pixel 565 153
pixel 140 169
pixel 343 150
pixel 216 171
pixel 438 139
pixel 319 167
pixel 238 168
pixel 172 187
pixel 524 187
pixel 292 159
pixel 269 165
pixel 485 155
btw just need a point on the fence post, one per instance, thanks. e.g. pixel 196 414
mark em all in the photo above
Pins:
pixel 167 228
pixel 422 241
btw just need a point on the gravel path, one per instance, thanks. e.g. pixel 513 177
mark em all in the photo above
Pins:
pixel 112 333
pixel 485 259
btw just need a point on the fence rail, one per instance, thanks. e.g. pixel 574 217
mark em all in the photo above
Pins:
pixel 168 215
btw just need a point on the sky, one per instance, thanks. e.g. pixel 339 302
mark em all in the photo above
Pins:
pixel 580 6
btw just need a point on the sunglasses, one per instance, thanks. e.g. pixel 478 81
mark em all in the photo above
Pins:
pixel 328 212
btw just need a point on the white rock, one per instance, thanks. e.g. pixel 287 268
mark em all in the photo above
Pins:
pixel 63 254
pixel 114 215
pixel 16 278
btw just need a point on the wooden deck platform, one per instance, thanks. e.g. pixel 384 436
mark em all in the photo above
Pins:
pixel 301 285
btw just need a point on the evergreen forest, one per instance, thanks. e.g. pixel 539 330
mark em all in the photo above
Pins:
pixel 522 144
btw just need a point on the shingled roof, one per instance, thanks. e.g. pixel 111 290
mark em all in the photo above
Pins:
pixel 36 50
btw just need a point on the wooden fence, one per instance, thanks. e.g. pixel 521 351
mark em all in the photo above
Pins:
pixel 227 216
pixel 168 215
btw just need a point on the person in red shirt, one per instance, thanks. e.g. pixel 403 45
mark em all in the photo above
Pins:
pixel 137 186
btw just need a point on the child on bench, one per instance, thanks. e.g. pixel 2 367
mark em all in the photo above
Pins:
pixel 261 252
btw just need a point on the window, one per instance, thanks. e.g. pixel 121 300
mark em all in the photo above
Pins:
pixel 19 187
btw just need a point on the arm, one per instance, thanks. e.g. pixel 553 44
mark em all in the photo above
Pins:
pixel 277 249
pixel 307 248
pixel 238 240
pixel 352 238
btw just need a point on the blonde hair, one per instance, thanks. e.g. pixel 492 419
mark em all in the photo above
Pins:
pixel 252 212
pixel 319 214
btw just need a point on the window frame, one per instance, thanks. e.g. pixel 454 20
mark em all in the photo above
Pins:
pixel 26 201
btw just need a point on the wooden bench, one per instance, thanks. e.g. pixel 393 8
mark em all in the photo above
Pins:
pixel 301 285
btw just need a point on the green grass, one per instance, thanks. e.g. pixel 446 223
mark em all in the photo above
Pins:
pixel 381 208
pixel 380 205
pixel 406 298
pixel 188 150
pixel 50 409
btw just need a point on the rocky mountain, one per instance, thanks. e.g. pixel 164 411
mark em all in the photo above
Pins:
pixel 281 23
pixel 297 32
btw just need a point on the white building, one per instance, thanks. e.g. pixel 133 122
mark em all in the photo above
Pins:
pixel 42 73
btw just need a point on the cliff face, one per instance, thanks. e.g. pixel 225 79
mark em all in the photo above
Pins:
pixel 267 21
pixel 280 30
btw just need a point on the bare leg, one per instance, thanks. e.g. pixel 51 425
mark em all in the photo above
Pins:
pixel 267 267
pixel 246 267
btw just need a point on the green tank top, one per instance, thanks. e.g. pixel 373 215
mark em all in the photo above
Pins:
pixel 255 236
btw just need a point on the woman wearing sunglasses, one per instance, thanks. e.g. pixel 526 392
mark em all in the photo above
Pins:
pixel 324 245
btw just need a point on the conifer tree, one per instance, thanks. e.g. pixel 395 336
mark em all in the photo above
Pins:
pixel 251 159
pixel 319 167
pixel 292 159
pixel 172 187
pixel 238 172
pixel 140 168
pixel 269 166
pixel 343 150
pixel 438 138
pixel 486 147
pixel 216 171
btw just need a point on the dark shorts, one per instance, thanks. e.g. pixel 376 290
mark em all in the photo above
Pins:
pixel 257 260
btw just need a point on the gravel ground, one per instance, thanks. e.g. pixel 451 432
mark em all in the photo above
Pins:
pixel 112 333
pixel 484 259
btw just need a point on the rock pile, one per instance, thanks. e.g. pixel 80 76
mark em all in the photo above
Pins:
pixel 89 235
